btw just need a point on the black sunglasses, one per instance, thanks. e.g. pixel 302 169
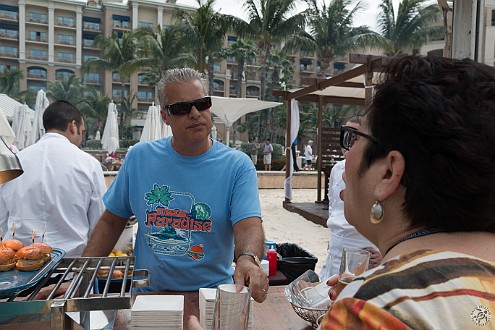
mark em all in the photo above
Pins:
pixel 183 108
pixel 348 137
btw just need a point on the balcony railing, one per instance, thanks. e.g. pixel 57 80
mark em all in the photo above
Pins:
pixel 66 60
pixel 9 34
pixel 66 24
pixel 91 27
pixel 88 43
pixel 91 81
pixel 8 54
pixel 8 15
pixel 37 38
pixel 36 75
pixel 145 99
pixel 66 42
pixel 38 57
pixel 38 20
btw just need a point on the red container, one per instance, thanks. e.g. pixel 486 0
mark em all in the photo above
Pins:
pixel 271 256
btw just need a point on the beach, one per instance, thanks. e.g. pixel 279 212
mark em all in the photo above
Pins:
pixel 283 226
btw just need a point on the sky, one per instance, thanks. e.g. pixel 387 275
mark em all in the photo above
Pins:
pixel 234 7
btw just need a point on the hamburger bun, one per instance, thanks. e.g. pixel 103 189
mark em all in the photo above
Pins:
pixel 103 273
pixel 45 249
pixel 14 244
pixel 27 264
pixel 30 258
pixel 7 261
pixel 117 274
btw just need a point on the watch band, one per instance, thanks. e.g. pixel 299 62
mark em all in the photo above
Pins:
pixel 250 254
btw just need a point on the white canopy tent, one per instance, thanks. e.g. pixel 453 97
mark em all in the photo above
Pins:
pixel 231 109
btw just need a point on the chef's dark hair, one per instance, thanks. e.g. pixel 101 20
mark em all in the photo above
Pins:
pixel 59 114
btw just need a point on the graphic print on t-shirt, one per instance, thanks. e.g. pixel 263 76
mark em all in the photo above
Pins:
pixel 171 218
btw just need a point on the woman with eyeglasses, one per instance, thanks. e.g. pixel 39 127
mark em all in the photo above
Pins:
pixel 420 185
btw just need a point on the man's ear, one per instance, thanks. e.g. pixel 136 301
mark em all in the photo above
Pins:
pixel 393 167
pixel 163 113
pixel 72 127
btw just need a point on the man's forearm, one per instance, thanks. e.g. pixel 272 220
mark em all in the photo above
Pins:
pixel 249 237
pixel 105 235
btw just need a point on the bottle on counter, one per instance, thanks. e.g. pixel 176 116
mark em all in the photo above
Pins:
pixel 271 256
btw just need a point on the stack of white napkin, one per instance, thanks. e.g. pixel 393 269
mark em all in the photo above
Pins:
pixel 157 312
pixel 207 299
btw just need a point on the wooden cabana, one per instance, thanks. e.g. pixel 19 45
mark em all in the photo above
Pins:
pixel 351 87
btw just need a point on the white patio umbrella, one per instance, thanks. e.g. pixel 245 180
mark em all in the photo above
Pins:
pixel 21 125
pixel 166 130
pixel 231 109
pixel 6 132
pixel 110 138
pixel 152 129
pixel 41 104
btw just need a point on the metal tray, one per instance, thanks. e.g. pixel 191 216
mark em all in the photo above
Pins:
pixel 14 281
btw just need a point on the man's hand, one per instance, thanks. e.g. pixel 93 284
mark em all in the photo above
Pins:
pixel 248 273
pixel 45 292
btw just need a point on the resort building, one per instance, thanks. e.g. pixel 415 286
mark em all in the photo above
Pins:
pixel 50 39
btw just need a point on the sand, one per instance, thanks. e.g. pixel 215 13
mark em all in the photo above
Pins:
pixel 283 226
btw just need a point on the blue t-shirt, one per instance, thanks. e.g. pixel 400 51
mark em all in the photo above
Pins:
pixel 186 208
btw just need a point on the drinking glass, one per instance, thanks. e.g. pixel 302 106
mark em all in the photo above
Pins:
pixel 232 307
pixel 353 263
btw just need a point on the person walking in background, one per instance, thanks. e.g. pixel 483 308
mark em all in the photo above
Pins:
pixel 61 188
pixel 308 154
pixel 254 150
pixel 294 155
pixel 342 234
pixel 191 189
pixel 267 155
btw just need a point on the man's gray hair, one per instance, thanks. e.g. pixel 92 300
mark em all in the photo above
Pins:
pixel 174 76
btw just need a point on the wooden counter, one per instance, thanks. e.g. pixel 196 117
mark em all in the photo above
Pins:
pixel 274 313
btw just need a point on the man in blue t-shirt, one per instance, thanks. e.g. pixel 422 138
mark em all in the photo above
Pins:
pixel 196 201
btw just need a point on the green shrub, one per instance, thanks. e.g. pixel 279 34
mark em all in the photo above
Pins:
pixel 93 144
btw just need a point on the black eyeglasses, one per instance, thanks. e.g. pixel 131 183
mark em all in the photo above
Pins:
pixel 183 108
pixel 348 137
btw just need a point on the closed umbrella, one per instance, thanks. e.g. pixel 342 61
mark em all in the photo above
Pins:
pixel 6 132
pixel 21 125
pixel 41 104
pixel 110 138
pixel 166 130
pixel 152 129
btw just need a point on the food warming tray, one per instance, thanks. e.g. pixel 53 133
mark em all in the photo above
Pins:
pixel 15 281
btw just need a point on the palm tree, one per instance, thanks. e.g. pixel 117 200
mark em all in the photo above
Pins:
pixel 281 69
pixel 242 51
pixel 407 29
pixel 98 105
pixel 331 27
pixel 119 55
pixel 204 30
pixel 68 89
pixel 163 49
pixel 10 84
pixel 272 22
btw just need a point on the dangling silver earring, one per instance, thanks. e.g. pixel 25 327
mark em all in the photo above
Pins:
pixel 376 214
